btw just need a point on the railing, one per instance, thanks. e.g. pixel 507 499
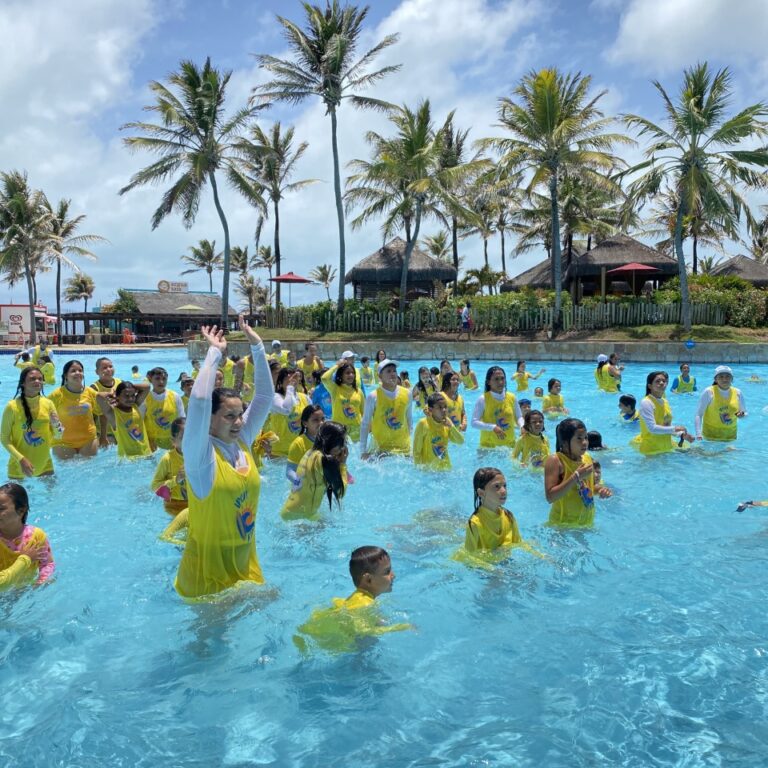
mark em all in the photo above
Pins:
pixel 500 321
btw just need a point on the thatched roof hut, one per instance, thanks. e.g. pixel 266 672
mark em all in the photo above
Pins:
pixel 381 271
pixel 617 251
pixel 191 303
pixel 538 276
pixel 745 268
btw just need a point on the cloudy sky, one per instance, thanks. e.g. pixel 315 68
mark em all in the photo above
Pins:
pixel 72 73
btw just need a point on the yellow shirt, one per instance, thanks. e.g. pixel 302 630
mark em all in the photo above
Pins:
pixel 467 381
pixel 308 368
pixel 522 380
pixel 367 376
pixel 168 468
pixel 158 417
pixel 575 508
pixel 430 443
pixel 97 386
pixel 552 402
pixel 502 414
pixel 281 358
pixel 33 442
pixel 346 402
pixel 221 544
pixel 489 529
pixel 49 373
pixel 298 448
pixel 649 443
pixel 130 433
pixel 228 369
pixel 389 422
pixel 455 409
pixel 287 427
pixel 305 501
pixel 720 420
pixel 76 412
pixel 531 449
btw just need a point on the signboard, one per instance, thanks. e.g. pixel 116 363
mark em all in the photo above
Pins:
pixel 166 286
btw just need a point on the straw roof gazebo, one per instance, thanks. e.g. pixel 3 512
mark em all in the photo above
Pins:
pixel 538 276
pixel 381 271
pixel 745 268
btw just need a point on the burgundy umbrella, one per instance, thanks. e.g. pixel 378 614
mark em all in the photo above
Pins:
pixel 290 279
pixel 634 267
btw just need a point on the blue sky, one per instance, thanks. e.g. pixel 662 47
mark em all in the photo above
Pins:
pixel 75 72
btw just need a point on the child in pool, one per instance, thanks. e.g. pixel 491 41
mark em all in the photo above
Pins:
pixel 366 372
pixel 311 419
pixel 25 554
pixel 569 477
pixel 432 435
pixel 522 377
pixel 135 375
pixel 125 419
pixel 628 408
pixel 598 474
pixel 170 480
pixel 538 392
pixel 553 403
pixel 405 379
pixel 339 629
pixel 525 406
pixel 532 447
pixel 595 441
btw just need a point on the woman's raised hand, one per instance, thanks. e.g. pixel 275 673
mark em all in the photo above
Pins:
pixel 250 334
pixel 215 337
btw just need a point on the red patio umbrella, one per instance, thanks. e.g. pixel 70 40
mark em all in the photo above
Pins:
pixel 290 279
pixel 634 267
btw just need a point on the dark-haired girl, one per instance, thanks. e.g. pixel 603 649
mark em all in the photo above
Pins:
pixel 75 403
pixel 497 412
pixel 222 480
pixel 450 391
pixel 491 526
pixel 30 425
pixel 532 446
pixel 425 387
pixel 25 554
pixel 311 419
pixel 125 419
pixel 569 482
pixel 288 403
pixel 322 473
pixel 346 398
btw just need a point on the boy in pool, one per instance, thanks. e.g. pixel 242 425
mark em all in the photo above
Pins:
pixel 538 392
pixel 628 408
pixel 525 405
pixel 339 628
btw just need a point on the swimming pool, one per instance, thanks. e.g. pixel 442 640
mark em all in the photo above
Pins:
pixel 641 642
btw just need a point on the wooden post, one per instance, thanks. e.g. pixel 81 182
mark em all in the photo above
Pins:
pixel 602 284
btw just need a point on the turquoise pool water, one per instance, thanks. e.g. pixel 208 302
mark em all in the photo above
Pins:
pixel 642 642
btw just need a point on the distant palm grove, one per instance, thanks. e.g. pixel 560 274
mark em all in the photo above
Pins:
pixel 553 171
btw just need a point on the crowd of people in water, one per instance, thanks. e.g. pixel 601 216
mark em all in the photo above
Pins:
pixel 233 414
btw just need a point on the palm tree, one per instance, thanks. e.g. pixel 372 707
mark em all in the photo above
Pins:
pixel 266 163
pixel 437 245
pixel 26 233
pixel 323 66
pixel 324 274
pixel 240 261
pixel 266 260
pixel 758 245
pixel 554 127
pixel 203 258
pixel 251 289
pixel 708 264
pixel 80 287
pixel 193 137
pixel 405 181
pixel 696 155
pixel 68 244
pixel 486 278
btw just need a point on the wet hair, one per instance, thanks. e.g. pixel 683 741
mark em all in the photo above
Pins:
pixel 20 394
pixel 331 435
pixel 682 364
pixel 565 431
pixel 302 380
pixel 489 373
pixel 651 376
pixel 44 359
pixel 527 422
pixel 134 369
pixel 176 426
pixel 25 357
pixel 445 362
pixel 420 384
pixel 156 371
pixel 220 394
pixel 551 383
pixel 594 441
pixel 597 464
pixel 273 364
pixel 434 370
pixel 365 359
pixel 364 560
pixel 280 382
pixel 611 357
pixel 306 415
pixel 122 386
pixel 381 355
pixel 308 345
pixel 482 477
pixel 100 360
pixel 66 368
pixel 466 363
pixel 317 376
pixel 434 399
pixel 519 363
pixel 446 384
pixel 18 495
pixel 338 377
pixel 629 400
pixel 405 375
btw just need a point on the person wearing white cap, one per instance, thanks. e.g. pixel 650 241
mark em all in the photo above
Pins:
pixel 719 408
pixel 278 353
pixel 311 362
pixel 387 415
pixel 348 356
pixel 606 375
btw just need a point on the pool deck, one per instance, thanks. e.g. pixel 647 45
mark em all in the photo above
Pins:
pixel 565 351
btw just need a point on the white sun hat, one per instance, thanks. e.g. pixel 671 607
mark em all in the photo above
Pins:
pixel 348 354
pixel 723 369
pixel 384 363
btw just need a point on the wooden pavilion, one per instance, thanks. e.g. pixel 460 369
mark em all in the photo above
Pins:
pixel 745 268
pixel 380 273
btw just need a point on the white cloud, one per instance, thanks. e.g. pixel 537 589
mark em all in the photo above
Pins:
pixel 663 35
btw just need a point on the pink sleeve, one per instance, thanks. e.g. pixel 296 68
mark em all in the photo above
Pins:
pixel 46 565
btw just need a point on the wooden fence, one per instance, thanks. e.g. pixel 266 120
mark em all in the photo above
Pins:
pixel 498 321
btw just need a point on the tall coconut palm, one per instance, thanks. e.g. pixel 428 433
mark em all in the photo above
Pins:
pixel 696 153
pixel 758 244
pixel 405 180
pixel 324 274
pixel 251 289
pixel 554 126
pixel 193 138
pixel 240 261
pixel 203 258
pixel 26 233
pixel 267 162
pixel 324 66
pixel 486 278
pixel 437 246
pixel 68 244
pixel 265 259
pixel 80 287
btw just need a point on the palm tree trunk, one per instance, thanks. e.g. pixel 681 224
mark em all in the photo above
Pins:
pixel 277 254
pixel 695 254
pixel 556 252
pixel 455 243
pixel 407 256
pixel 485 250
pixel 225 283
pixel 684 296
pixel 86 326
pixel 339 210
pixel 30 290
pixel 59 333
pixel 503 253
pixel 210 279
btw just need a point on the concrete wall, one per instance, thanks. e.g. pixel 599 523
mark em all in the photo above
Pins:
pixel 636 351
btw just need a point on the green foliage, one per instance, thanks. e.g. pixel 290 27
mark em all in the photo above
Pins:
pixel 125 303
